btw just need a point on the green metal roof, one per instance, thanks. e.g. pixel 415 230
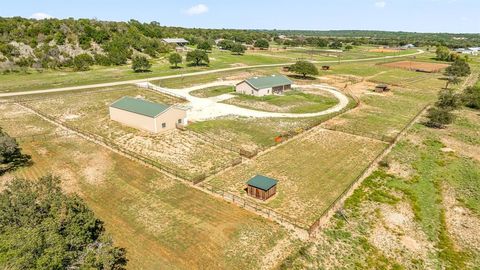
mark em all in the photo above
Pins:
pixel 262 182
pixel 269 81
pixel 140 106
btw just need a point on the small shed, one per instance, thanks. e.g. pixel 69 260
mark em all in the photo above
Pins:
pixel 261 187
pixel 382 88
pixel 181 42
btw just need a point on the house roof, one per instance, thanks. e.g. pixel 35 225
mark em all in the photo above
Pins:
pixel 262 182
pixel 175 40
pixel 140 106
pixel 268 82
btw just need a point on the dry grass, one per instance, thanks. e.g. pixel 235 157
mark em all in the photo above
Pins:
pixel 161 222
pixel 312 172
pixel 417 66
pixel 182 151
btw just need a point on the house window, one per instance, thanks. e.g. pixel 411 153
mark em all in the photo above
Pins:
pixel 179 121
pixel 164 125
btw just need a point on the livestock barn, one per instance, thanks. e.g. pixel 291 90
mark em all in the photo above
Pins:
pixel 147 115
pixel 262 187
pixel 262 86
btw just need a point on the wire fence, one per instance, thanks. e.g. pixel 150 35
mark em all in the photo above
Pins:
pixel 336 204
pixel 252 206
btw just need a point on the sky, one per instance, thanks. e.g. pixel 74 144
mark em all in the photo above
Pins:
pixel 454 16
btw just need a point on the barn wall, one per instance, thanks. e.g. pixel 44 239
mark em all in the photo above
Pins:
pixel 132 119
pixel 244 88
pixel 170 118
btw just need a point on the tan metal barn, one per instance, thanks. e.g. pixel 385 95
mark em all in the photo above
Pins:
pixel 147 115
pixel 262 86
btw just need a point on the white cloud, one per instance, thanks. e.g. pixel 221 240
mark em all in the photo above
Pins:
pixel 380 4
pixel 40 16
pixel 197 9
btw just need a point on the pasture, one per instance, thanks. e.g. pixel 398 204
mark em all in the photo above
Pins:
pixel 144 210
pixel 312 170
pixel 185 152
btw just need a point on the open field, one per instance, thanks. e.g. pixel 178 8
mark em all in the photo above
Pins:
pixel 421 212
pixel 144 210
pixel 312 170
pixel 212 91
pixel 294 101
pixel 183 151
pixel 417 66
pixel 384 50
pixel 382 116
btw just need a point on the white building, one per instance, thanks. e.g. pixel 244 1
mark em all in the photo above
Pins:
pixel 262 86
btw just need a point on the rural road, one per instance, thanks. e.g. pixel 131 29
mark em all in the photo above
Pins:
pixel 73 88
pixel 202 109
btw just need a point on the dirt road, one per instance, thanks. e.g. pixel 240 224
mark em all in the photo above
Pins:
pixel 73 88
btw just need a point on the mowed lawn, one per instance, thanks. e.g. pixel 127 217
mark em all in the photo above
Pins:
pixel 162 223
pixel 293 101
pixel 312 171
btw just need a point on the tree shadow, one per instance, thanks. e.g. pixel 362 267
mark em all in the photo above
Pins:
pixel 300 77
pixel 199 65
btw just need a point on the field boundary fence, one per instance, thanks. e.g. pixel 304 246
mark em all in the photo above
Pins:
pixel 338 202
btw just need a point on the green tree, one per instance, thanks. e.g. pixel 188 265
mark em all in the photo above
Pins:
pixel 471 97
pixel 11 156
pixel 443 53
pixel 43 228
pixel 238 49
pixel 459 68
pixel 448 100
pixel 82 62
pixel 140 64
pixel 348 47
pixel 304 68
pixel 198 57
pixel 205 46
pixel 336 45
pixel 261 43
pixel 438 117
pixel 455 80
pixel 175 59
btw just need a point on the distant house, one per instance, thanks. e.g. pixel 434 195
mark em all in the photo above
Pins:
pixel 261 187
pixel 262 86
pixel 147 115
pixel 177 41
pixel 408 46
pixel 468 51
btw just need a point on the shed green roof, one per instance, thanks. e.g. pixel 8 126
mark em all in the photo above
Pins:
pixel 262 182
pixel 140 106
pixel 269 81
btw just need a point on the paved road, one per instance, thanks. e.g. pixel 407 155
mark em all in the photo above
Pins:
pixel 73 88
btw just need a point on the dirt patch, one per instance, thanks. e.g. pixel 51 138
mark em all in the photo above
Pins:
pixel 460 147
pixel 400 234
pixel 238 65
pixel 461 222
pixel 418 66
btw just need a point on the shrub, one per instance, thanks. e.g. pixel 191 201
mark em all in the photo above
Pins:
pixel 82 62
pixel 261 43
pixel 140 64
pixel 471 97
pixel 438 117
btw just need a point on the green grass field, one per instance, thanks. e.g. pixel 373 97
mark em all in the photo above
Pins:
pixel 161 222
pixel 213 91
pixel 291 102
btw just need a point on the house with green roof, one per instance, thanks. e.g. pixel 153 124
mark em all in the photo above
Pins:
pixel 261 187
pixel 146 115
pixel 262 86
